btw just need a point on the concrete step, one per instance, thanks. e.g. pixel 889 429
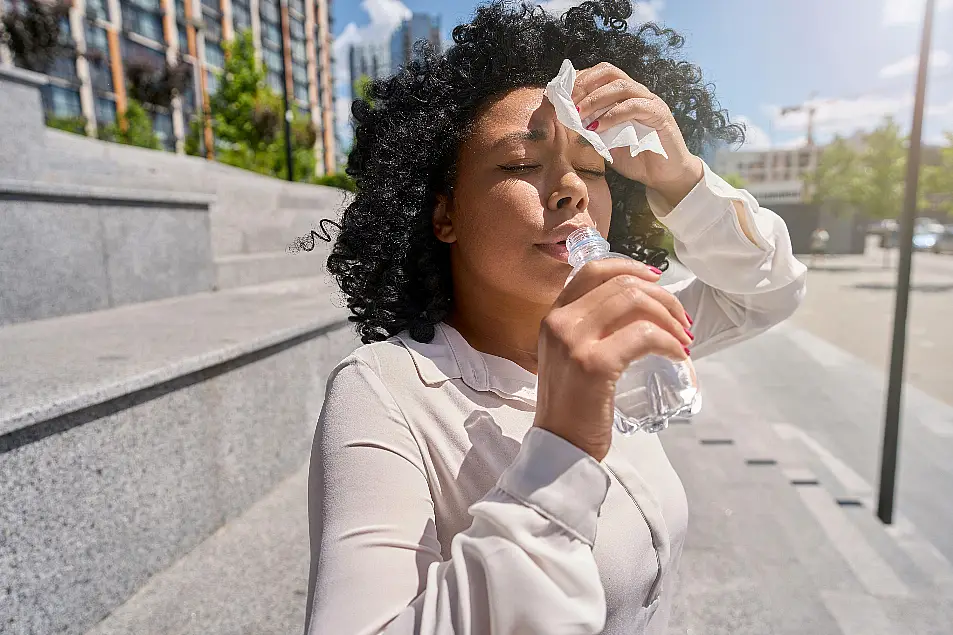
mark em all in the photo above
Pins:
pixel 129 436
pixel 261 268
pixel 262 554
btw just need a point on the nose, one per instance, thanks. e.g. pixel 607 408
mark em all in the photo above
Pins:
pixel 570 194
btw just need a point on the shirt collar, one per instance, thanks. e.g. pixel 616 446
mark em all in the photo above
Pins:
pixel 450 356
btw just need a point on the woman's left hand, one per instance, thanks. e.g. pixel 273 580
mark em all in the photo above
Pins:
pixel 605 92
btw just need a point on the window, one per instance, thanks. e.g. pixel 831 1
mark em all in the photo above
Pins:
pixel 148 5
pixel 272 60
pixel 180 10
pixel 101 76
pixel 213 29
pixel 142 54
pixel 297 28
pixel 97 9
pixel 162 124
pixel 211 82
pixel 297 5
pixel 301 92
pixel 241 17
pixel 64 67
pixel 63 102
pixel 183 40
pixel 271 32
pixel 145 23
pixel 299 73
pixel 214 54
pixel 97 40
pixel 105 111
pixel 214 5
pixel 274 80
pixel 299 52
pixel 269 10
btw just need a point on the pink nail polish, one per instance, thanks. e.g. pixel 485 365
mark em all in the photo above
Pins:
pixel 689 334
pixel 687 352
pixel 577 109
pixel 655 270
pixel 593 125
pixel 689 318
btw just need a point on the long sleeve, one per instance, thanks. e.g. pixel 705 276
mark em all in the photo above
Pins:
pixel 525 565
pixel 740 288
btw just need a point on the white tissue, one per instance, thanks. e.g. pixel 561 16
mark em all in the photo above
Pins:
pixel 636 136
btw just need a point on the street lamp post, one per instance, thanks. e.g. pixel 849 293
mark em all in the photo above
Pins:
pixel 888 459
pixel 287 85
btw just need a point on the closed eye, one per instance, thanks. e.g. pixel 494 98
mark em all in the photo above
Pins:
pixel 523 168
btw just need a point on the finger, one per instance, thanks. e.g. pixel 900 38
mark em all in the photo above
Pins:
pixel 589 79
pixel 626 299
pixel 651 112
pixel 597 272
pixel 637 340
pixel 608 96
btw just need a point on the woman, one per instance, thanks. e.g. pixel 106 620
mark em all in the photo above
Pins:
pixel 464 477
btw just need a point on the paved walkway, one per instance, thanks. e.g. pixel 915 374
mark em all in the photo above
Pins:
pixel 777 542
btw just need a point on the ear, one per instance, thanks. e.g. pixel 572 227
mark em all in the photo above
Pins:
pixel 442 223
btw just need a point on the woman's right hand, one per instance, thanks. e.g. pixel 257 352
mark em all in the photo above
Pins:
pixel 612 313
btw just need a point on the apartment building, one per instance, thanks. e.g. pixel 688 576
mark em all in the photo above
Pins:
pixel 104 36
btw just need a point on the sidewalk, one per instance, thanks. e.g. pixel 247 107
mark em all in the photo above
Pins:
pixel 776 544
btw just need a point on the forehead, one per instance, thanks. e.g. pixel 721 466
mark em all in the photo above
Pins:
pixel 518 109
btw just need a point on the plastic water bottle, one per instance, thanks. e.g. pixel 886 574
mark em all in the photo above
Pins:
pixel 652 389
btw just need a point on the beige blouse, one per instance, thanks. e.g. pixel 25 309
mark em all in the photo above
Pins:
pixel 436 507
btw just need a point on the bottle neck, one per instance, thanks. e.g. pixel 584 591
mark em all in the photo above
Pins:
pixel 593 249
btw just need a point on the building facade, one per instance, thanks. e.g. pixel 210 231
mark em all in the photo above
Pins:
pixel 772 176
pixel 105 36
pixel 420 26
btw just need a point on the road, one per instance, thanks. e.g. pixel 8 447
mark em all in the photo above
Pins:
pixel 820 380
pixel 850 303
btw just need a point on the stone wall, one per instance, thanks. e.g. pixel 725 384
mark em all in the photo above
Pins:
pixel 71 249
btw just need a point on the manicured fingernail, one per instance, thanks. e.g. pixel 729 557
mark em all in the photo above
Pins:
pixel 689 318
pixel 577 109
pixel 593 125
pixel 687 352
pixel 655 270
pixel 689 334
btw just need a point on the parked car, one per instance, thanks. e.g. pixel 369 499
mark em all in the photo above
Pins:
pixel 944 242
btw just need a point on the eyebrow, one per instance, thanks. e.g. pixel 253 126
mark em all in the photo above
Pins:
pixel 537 134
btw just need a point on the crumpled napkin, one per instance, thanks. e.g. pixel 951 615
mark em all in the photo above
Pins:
pixel 636 136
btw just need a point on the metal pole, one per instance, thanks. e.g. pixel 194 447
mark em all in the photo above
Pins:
pixel 285 55
pixel 888 458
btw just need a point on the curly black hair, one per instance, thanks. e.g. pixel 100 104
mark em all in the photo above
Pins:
pixel 386 259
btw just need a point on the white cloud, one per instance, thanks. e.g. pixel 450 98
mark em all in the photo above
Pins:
pixel 909 64
pixel 644 11
pixel 755 136
pixel 900 12
pixel 842 116
pixel 385 17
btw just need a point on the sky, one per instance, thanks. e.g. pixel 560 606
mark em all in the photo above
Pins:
pixel 855 61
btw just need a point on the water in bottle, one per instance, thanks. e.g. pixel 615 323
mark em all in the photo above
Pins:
pixel 652 389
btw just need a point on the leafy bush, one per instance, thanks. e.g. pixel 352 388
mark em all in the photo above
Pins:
pixel 134 128
pixel 339 180
pixel 76 125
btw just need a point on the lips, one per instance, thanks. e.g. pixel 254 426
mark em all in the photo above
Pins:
pixel 557 251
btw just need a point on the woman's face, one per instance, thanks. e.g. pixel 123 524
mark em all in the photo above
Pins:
pixel 524 182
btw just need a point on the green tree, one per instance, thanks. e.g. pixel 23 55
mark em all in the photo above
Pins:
pixel 248 119
pixel 735 180
pixel 837 175
pixel 938 179
pixel 134 128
